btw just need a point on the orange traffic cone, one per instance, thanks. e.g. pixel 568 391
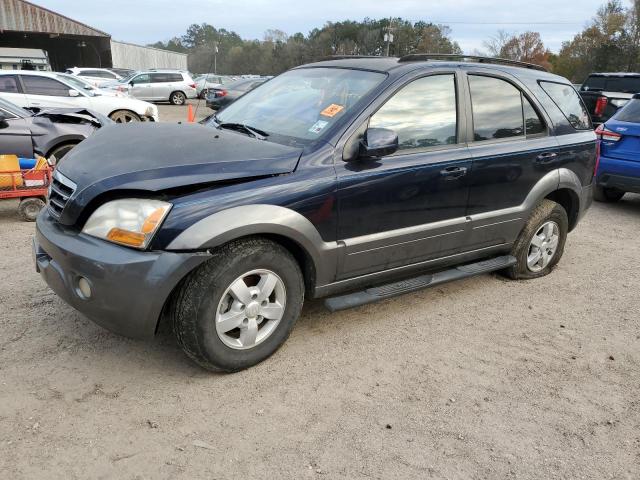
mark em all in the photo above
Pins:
pixel 190 115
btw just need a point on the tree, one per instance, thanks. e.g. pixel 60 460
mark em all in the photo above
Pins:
pixel 609 43
pixel 527 47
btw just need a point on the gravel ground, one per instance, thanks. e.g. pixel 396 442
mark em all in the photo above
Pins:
pixel 480 379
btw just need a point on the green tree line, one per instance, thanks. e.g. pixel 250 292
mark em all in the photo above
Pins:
pixel 610 42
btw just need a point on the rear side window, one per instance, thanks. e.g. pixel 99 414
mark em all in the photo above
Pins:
pixel 8 84
pixel 174 77
pixel 497 108
pixel 569 103
pixel 630 112
pixel 44 86
pixel 159 78
pixel 423 113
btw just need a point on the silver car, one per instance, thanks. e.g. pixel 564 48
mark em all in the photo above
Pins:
pixel 159 86
pixel 207 81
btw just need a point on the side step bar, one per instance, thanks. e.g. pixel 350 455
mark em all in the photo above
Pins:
pixel 375 294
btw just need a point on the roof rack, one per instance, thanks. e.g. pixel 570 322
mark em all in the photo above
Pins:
pixel 347 57
pixel 416 57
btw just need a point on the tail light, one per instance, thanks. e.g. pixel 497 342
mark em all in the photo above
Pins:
pixel 221 93
pixel 601 104
pixel 604 133
pixel 192 85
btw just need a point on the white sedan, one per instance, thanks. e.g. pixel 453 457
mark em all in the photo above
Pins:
pixel 31 89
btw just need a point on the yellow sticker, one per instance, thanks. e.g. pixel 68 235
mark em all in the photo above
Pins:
pixel 332 110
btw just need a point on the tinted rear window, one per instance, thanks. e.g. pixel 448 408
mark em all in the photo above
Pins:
pixel 630 112
pixel 613 84
pixel 569 103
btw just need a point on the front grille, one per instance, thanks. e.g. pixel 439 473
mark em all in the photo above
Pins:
pixel 61 190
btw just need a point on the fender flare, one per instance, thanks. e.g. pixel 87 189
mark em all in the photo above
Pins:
pixel 246 220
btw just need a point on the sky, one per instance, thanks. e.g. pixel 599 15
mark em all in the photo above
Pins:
pixel 471 21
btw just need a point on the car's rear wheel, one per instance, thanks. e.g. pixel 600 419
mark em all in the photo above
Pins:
pixel 124 116
pixel 540 245
pixel 240 306
pixel 608 195
pixel 177 98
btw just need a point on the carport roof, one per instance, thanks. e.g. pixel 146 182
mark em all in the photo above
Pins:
pixel 23 16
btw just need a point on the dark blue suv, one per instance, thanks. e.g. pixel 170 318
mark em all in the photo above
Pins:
pixel 355 179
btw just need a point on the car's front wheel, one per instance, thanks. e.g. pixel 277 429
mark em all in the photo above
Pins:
pixel 540 245
pixel 124 116
pixel 240 306
pixel 608 195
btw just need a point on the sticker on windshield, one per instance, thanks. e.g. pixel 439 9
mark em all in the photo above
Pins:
pixel 318 126
pixel 332 110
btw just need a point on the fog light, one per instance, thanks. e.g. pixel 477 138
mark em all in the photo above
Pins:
pixel 84 288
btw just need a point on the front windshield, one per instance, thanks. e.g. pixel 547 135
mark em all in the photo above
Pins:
pixel 128 78
pixel 76 82
pixel 301 104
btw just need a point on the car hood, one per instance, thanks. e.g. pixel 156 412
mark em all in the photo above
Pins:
pixel 152 157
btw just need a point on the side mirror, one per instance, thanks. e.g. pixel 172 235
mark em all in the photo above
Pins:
pixel 73 93
pixel 3 123
pixel 378 142
pixel 132 83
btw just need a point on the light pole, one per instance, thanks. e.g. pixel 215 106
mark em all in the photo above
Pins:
pixel 388 36
pixel 215 58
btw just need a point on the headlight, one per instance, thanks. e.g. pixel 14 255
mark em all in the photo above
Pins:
pixel 131 222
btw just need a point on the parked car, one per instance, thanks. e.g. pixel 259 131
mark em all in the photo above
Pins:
pixel 123 72
pixel 158 85
pixel 619 165
pixel 605 93
pixel 97 76
pixel 38 90
pixel 210 80
pixel 222 96
pixel 328 181
pixel 85 84
pixel 52 132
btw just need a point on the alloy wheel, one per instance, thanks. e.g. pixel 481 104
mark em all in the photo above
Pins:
pixel 250 309
pixel 543 246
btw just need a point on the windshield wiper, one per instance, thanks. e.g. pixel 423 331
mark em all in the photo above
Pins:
pixel 241 127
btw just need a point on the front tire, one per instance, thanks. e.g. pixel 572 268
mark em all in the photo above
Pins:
pixel 540 245
pixel 239 307
pixel 607 195
pixel 177 98
pixel 124 116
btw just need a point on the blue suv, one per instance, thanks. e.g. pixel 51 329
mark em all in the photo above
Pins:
pixel 354 179
pixel 619 163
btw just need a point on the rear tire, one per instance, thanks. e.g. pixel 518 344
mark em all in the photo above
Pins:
pixel 224 315
pixel 29 208
pixel 540 244
pixel 177 98
pixel 607 195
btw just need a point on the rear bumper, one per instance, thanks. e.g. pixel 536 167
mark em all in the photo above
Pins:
pixel 618 173
pixel 128 287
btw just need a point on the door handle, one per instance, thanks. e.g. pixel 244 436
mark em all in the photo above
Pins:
pixel 545 158
pixel 451 173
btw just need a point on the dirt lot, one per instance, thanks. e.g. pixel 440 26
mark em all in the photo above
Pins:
pixel 484 378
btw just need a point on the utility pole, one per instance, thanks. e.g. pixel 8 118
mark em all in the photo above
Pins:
pixel 388 36
pixel 215 58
